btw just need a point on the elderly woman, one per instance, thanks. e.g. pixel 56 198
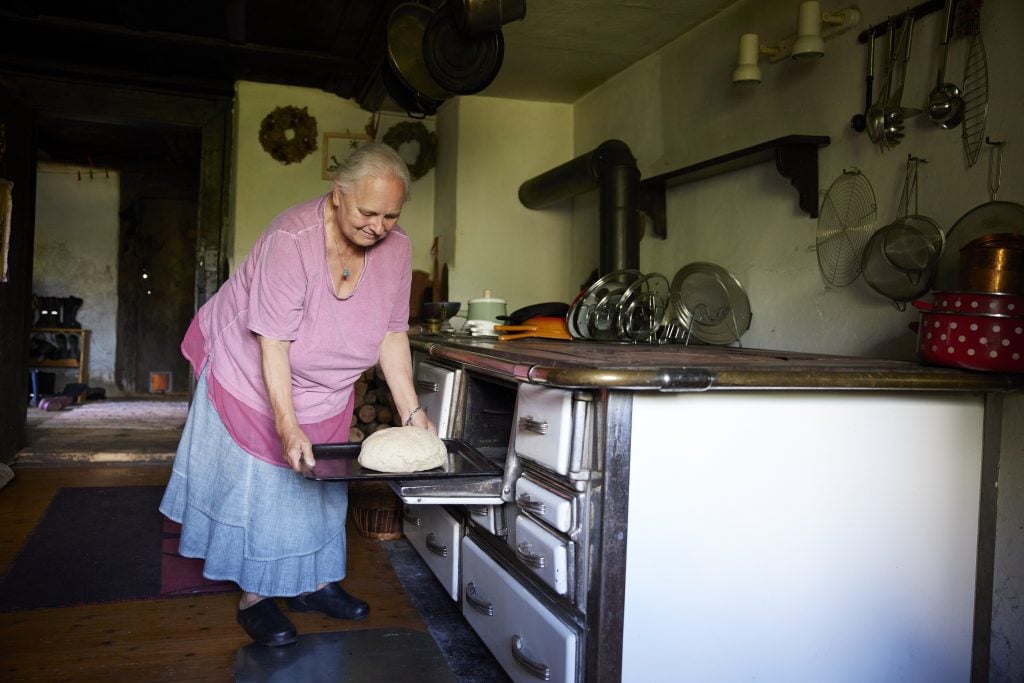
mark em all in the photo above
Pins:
pixel 322 296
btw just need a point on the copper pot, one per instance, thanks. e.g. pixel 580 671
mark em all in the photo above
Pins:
pixel 993 263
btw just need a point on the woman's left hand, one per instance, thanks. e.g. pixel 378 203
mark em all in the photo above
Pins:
pixel 422 420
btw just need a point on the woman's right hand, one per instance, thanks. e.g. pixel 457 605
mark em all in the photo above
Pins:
pixel 297 449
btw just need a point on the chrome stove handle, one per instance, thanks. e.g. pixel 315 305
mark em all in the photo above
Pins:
pixel 528 424
pixel 412 519
pixel 485 608
pixel 427 385
pixel 535 669
pixel 435 547
pixel 523 551
pixel 524 501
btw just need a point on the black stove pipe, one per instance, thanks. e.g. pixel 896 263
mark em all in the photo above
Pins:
pixel 611 169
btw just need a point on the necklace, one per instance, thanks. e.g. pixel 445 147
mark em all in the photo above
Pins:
pixel 345 272
pixel 328 219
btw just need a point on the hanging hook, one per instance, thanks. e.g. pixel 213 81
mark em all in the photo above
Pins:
pixel 995 167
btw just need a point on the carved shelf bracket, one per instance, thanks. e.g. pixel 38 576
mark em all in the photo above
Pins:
pixel 795 156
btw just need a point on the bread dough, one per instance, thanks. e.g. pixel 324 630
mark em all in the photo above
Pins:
pixel 402 449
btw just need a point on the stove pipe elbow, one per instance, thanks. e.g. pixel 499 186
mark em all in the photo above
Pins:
pixel 611 169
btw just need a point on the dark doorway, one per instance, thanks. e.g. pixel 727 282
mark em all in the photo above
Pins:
pixel 158 216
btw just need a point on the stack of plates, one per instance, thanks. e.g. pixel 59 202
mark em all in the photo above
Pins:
pixel 479 328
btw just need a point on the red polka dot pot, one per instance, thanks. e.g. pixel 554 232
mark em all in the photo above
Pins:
pixel 988 303
pixel 991 343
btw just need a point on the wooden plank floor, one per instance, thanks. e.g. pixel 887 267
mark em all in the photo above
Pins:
pixel 182 639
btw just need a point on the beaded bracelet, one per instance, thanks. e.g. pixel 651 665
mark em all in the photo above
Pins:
pixel 408 420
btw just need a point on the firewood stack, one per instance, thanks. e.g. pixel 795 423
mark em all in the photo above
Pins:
pixel 373 409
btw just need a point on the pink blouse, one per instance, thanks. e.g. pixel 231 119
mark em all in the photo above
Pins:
pixel 283 291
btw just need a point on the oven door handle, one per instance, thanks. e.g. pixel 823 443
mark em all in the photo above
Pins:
pixel 427 385
pixel 435 547
pixel 535 669
pixel 414 520
pixel 524 501
pixel 523 551
pixel 481 606
pixel 528 424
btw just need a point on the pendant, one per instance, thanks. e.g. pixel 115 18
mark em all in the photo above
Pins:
pixel 345 272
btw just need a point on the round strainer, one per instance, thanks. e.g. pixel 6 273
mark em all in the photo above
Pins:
pixel 845 223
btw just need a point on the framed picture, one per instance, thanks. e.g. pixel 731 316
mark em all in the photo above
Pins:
pixel 337 147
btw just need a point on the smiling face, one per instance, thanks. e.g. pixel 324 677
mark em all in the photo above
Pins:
pixel 366 215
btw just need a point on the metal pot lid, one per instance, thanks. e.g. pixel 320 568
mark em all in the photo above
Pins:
pixel 593 307
pixel 407 27
pixel 711 303
pixel 461 63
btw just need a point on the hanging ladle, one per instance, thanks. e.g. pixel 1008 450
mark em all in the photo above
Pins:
pixel 945 102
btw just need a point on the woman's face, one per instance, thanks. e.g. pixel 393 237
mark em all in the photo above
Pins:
pixel 370 211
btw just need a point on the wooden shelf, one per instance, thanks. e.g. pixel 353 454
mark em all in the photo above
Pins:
pixel 795 156
pixel 56 363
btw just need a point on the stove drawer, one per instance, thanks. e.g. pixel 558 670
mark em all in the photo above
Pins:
pixel 545 504
pixel 435 389
pixel 435 534
pixel 545 554
pixel 544 426
pixel 529 641
pixel 490 518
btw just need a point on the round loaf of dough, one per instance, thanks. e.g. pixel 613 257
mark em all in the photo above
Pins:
pixel 402 449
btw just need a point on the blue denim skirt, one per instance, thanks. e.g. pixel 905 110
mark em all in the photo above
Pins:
pixel 270 530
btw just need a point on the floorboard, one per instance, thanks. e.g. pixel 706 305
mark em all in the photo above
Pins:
pixel 191 639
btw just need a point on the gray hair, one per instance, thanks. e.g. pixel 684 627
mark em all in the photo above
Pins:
pixel 372 160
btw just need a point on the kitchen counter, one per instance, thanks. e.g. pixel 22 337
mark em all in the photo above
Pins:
pixel 678 368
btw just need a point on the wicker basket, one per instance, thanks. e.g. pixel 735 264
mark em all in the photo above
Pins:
pixel 376 510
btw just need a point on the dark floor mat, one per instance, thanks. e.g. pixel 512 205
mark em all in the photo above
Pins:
pixel 370 656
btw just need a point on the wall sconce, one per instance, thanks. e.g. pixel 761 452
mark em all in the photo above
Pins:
pixel 747 72
pixel 810 40
pixel 813 28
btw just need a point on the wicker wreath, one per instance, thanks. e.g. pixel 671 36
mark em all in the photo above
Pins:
pixel 276 141
pixel 414 131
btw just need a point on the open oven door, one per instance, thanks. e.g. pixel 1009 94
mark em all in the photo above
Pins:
pixel 466 478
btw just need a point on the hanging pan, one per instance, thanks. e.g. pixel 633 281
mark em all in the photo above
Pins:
pixel 459 62
pixel 406 77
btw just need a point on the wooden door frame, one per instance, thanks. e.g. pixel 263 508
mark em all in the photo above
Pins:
pixel 117 105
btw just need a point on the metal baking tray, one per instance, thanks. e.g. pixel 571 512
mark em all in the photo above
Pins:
pixel 339 462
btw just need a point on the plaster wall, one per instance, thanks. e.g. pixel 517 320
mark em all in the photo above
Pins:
pixel 495 242
pixel 66 265
pixel 679 107
pixel 264 187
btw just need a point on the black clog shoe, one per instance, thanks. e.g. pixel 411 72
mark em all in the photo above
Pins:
pixel 265 624
pixel 331 600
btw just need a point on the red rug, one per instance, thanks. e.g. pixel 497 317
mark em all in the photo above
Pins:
pixel 183 575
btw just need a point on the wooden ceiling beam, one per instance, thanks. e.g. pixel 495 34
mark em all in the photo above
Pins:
pixel 47 32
